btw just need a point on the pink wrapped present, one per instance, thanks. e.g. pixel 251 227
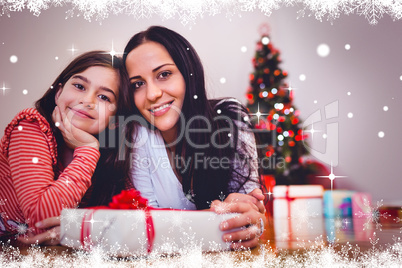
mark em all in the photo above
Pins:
pixel 361 205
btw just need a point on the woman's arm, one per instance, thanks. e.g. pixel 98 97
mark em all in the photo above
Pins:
pixel 40 196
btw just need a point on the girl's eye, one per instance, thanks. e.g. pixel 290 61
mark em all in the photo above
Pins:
pixel 137 85
pixel 104 97
pixel 165 74
pixel 79 86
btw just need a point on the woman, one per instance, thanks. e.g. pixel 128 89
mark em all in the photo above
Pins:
pixel 193 151
pixel 48 155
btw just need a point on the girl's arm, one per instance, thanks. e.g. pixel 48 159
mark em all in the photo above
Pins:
pixel 40 196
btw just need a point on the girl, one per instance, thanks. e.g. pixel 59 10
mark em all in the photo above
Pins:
pixel 49 154
pixel 194 150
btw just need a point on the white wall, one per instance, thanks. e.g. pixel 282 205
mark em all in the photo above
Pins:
pixel 370 71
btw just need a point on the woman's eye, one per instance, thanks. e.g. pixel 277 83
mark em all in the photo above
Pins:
pixel 165 74
pixel 104 97
pixel 79 86
pixel 137 84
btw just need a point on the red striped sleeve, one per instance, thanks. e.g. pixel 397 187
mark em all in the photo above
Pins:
pixel 39 195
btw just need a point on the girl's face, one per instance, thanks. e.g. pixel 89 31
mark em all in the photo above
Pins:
pixel 90 98
pixel 159 87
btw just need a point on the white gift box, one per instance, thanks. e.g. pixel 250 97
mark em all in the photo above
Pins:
pixel 298 211
pixel 296 201
pixel 127 232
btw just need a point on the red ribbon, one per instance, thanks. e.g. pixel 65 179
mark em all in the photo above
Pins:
pixel 127 199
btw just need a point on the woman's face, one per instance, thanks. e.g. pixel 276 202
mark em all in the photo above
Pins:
pixel 89 98
pixel 159 87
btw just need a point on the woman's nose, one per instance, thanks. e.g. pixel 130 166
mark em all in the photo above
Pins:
pixel 153 92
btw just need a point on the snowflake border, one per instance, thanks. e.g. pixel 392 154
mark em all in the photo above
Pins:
pixel 188 11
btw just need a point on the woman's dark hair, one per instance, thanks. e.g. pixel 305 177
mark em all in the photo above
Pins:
pixel 108 174
pixel 205 183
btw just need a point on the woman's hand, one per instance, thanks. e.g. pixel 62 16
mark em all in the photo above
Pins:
pixel 50 237
pixel 251 219
pixel 255 198
pixel 73 136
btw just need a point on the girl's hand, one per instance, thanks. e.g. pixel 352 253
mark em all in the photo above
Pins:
pixel 251 220
pixel 50 237
pixel 74 137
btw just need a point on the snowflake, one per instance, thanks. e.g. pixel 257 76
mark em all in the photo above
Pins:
pixel 20 228
pixel 71 216
pixel 373 215
pixel 302 215
pixel 177 221
pixel 3 202
pixel 373 10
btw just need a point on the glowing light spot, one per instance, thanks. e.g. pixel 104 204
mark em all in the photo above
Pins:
pixel 276 116
pixel 400 77
pixel 219 111
pixel 246 118
pixel 243 49
pixel 265 40
pixel 19 128
pixel 385 108
pixel 350 115
pixel 25 91
pixel 112 107
pixel 265 94
pixel 13 59
pixel 302 77
pixel 56 58
pixel 315 101
pixel 57 124
pixel 278 106
pixel 285 133
pixel 280 143
pixel 195 97
pixel 35 160
pixel 324 136
pixel 323 50
pixel 274 91
pixel 347 46
pixel 280 137
pixel 230 135
pixel 381 134
pixel 349 93
pixel 222 80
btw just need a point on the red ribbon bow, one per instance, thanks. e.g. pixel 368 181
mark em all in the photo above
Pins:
pixel 127 199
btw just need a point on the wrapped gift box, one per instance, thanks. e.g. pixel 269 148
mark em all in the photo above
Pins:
pixel 130 232
pixel 361 205
pixel 338 203
pixel 297 201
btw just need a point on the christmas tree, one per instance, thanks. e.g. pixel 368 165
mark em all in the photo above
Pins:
pixel 277 125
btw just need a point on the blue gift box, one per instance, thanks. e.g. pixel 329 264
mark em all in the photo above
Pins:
pixel 338 203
